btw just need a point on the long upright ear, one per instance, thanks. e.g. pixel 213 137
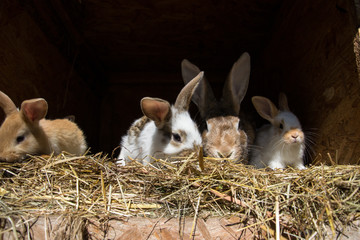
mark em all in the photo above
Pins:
pixel 156 109
pixel 183 99
pixel 7 104
pixel 188 70
pixel 34 110
pixel 265 108
pixel 203 96
pixel 283 102
pixel 236 84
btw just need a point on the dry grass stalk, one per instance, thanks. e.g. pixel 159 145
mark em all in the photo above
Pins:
pixel 304 201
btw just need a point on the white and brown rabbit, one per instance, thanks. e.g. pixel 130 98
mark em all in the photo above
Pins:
pixel 281 143
pixel 225 135
pixel 25 131
pixel 164 130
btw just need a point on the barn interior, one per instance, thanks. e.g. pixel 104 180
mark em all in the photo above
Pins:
pixel 96 59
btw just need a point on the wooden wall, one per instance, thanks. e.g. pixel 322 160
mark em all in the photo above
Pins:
pixel 31 66
pixel 311 58
pixel 53 50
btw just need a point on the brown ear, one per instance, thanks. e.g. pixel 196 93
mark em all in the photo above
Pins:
pixel 236 85
pixel 34 110
pixel 7 104
pixel 183 99
pixel 283 102
pixel 156 109
pixel 265 108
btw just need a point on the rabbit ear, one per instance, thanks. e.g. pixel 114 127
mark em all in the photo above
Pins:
pixel 34 110
pixel 183 99
pixel 156 109
pixel 188 70
pixel 203 96
pixel 283 102
pixel 237 84
pixel 265 108
pixel 7 104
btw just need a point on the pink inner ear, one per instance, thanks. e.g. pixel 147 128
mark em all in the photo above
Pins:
pixel 35 110
pixel 31 115
pixel 155 110
pixel 161 110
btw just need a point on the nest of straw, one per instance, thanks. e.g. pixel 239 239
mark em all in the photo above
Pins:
pixel 300 203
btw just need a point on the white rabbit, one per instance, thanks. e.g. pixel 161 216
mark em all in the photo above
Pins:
pixel 164 130
pixel 281 143
pixel 225 135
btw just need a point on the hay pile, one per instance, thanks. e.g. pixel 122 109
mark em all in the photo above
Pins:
pixel 303 204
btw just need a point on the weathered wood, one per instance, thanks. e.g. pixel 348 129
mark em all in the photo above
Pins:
pixel 31 66
pixel 213 228
pixel 311 58
pixel 67 51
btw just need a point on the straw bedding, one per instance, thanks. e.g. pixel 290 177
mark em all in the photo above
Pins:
pixel 316 202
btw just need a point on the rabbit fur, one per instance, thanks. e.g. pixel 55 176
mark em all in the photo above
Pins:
pixel 280 143
pixel 225 135
pixel 26 131
pixel 164 130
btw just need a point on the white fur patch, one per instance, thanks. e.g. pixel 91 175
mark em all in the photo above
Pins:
pixel 151 140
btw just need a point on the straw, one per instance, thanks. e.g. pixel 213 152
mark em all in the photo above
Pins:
pixel 282 203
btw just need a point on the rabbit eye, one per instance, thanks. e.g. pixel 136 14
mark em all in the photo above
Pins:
pixel 20 138
pixel 176 137
pixel 281 125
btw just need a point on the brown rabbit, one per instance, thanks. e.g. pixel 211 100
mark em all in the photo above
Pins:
pixel 25 131
pixel 225 135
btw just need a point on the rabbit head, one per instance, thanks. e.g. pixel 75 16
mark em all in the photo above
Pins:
pixel 287 125
pixel 26 131
pixel 165 130
pixel 223 135
pixel 223 139
pixel 282 143
pixel 20 133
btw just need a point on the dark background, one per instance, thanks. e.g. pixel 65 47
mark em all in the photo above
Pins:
pixel 96 59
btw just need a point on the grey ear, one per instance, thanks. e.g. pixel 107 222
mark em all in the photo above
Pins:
pixel 203 95
pixel 265 108
pixel 7 104
pixel 188 70
pixel 236 85
pixel 283 102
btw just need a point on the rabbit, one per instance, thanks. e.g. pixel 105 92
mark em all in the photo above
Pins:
pixel 26 131
pixel 225 135
pixel 281 143
pixel 164 130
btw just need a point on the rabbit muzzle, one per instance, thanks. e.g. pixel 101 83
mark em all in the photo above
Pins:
pixel 294 136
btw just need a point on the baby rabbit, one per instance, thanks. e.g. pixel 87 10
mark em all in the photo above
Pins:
pixel 164 130
pixel 281 143
pixel 25 131
pixel 224 136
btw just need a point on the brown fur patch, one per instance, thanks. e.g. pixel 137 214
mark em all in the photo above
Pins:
pixel 294 136
pixel 137 127
pixel 224 139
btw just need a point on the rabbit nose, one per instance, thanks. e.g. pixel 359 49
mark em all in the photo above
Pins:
pixel 295 135
pixel 221 155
